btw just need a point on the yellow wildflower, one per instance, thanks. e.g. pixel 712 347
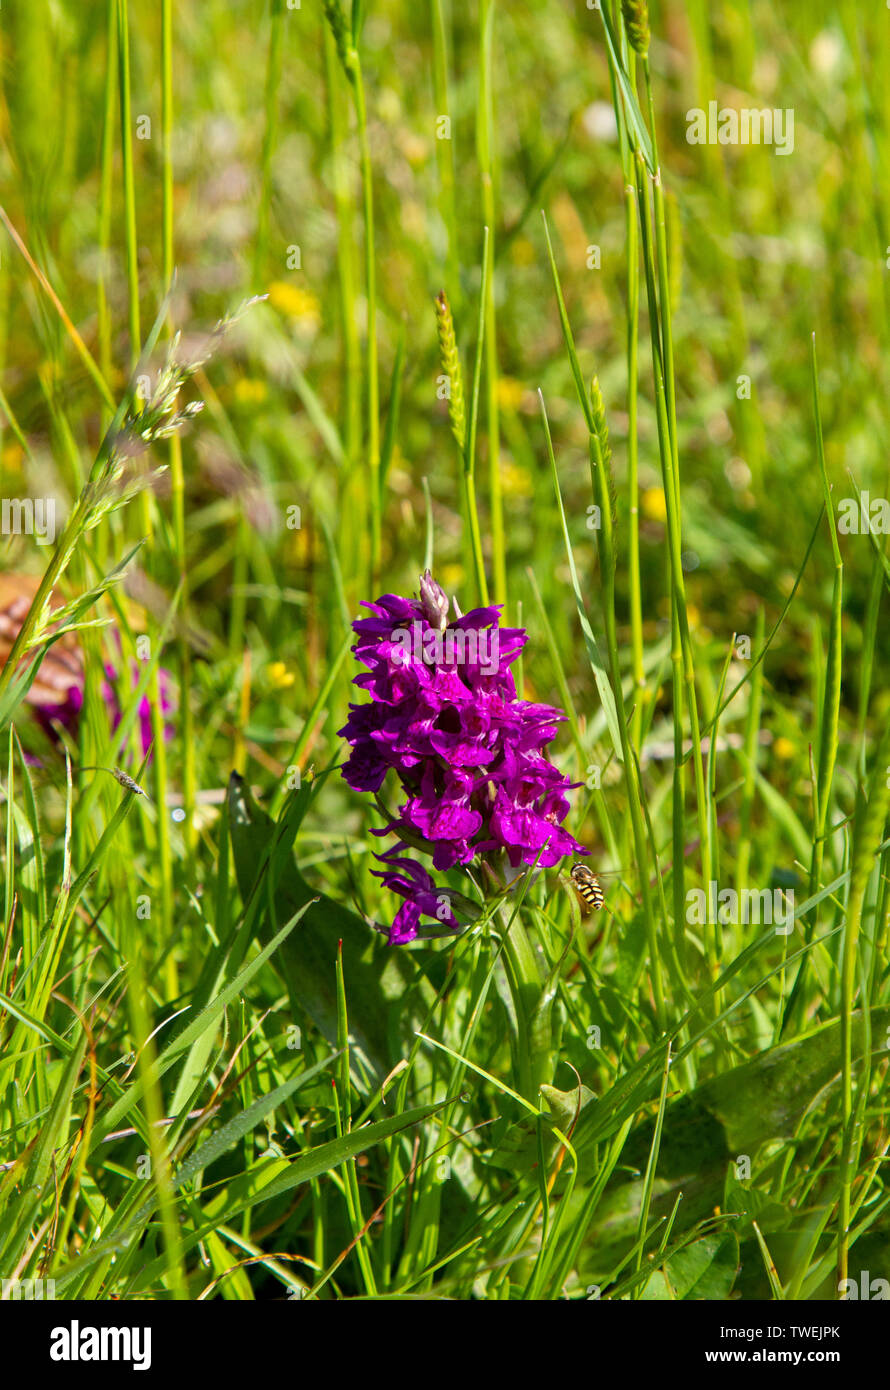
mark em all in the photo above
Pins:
pixel 11 458
pixel 297 303
pixel 451 577
pixel 249 391
pixel 652 504
pixel 279 676
pixel 515 481
pixel 510 393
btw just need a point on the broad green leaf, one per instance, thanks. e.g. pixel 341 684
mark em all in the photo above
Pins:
pixel 376 975
pixel 706 1269
pixel 706 1131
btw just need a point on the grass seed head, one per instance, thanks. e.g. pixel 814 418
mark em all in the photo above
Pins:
pixel 636 22
pixel 599 419
pixel 451 367
pixel 340 30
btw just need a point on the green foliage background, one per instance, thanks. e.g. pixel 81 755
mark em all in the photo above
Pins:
pixel 201 1094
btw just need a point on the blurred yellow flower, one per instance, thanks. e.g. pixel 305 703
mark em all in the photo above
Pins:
pixel 294 301
pixel 515 481
pixel 783 748
pixel 450 577
pixel 250 391
pixel 12 455
pixel 522 252
pixel 279 676
pixel 653 505
pixel 510 393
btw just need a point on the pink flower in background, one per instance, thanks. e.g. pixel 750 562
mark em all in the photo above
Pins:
pixel 52 712
pixel 165 687
pixel 56 694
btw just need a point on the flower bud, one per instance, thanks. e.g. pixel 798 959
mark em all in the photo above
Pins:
pixel 434 602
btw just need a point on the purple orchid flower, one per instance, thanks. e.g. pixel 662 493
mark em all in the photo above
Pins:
pixel 444 715
pixel 412 882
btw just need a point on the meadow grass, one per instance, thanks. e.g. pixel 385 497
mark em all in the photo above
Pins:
pixel 632 421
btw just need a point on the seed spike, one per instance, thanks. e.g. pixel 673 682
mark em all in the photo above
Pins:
pixel 450 359
pixel 636 22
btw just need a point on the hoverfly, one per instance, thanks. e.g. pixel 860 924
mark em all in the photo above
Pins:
pixel 587 886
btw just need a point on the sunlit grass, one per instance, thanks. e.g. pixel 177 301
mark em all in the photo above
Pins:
pixel 216 1080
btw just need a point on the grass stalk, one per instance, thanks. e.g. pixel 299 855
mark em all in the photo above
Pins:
pixel 373 396
pixel 485 136
pixel 270 131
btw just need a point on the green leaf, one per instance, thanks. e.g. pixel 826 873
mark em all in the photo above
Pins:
pixel 566 1105
pixel 731 1114
pixel 219 1143
pixel 706 1269
pixel 376 975
pixel 765 1098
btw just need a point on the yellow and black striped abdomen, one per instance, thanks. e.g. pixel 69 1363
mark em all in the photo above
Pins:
pixel 588 886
